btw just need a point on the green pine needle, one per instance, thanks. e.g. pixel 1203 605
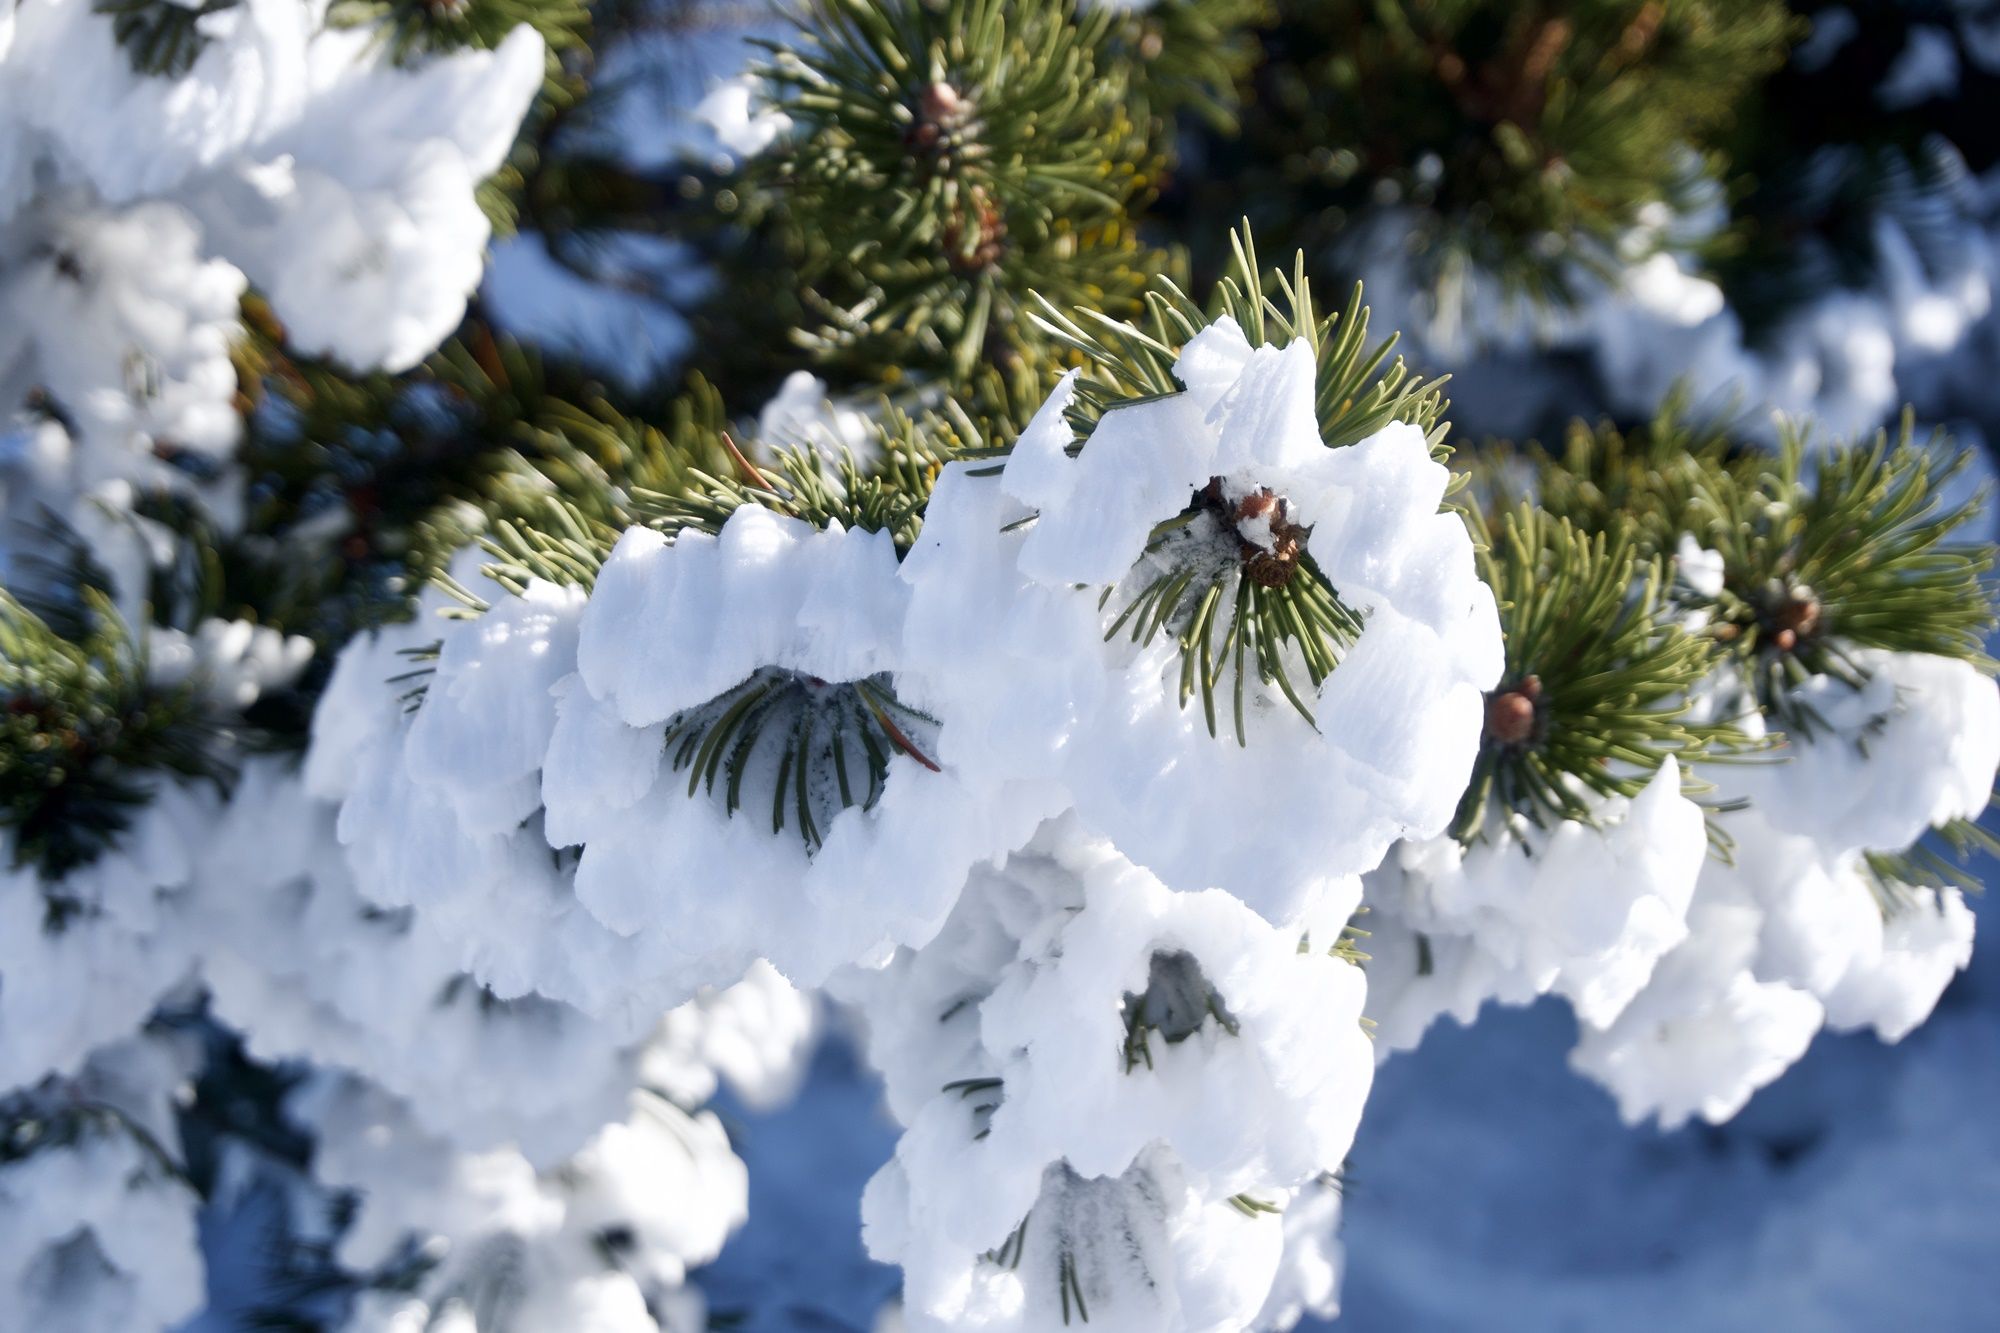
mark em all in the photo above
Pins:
pixel 414 29
pixel 160 37
pixel 949 158
pixel 1596 681
pixel 85 738
pixel 1358 391
pixel 1521 140
pixel 1940 860
pixel 1196 581
pixel 1849 548
pixel 828 743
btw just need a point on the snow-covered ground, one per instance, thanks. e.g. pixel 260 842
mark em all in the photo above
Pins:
pixel 1493 1189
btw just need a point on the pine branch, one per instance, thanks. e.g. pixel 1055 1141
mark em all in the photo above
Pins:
pixel 1595 689
pixel 161 37
pixel 949 158
pixel 85 738
pixel 1177 1003
pixel 412 30
pixel 1522 141
pixel 1357 394
pixel 1942 859
pixel 1230 605
pixel 1854 552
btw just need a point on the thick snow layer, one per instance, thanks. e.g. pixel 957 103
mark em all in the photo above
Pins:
pixel 1852 1195
pixel 84 958
pixel 299 963
pixel 358 219
pixel 338 182
pixel 1091 1067
pixel 96 1233
pixel 1703 979
pixel 603 1241
pixel 1705 1033
pixel 1015 610
pixel 1915 747
pixel 231 663
pixel 542 729
pixel 800 415
pixel 461 855
pixel 1794 921
pixel 134 209
pixel 1492 1189
pixel 754 1037
pixel 118 316
pixel 1584 910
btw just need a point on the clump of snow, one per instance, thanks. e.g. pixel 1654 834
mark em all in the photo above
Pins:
pixel 543 726
pixel 340 183
pixel 116 314
pixel 1581 909
pixel 1010 580
pixel 1913 747
pixel 602 1241
pixel 1705 1033
pixel 1109 1089
pixel 291 153
pixel 85 956
pixel 739 113
pixel 1797 928
pixel 800 415
pixel 232 662
pixel 96 1230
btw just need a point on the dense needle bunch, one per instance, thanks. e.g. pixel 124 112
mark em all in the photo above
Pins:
pixel 1524 141
pixel 540 537
pixel 952 158
pixel 1597 678
pixel 414 29
pixel 85 734
pixel 1861 553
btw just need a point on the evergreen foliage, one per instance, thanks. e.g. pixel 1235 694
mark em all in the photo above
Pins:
pixel 85 737
pixel 162 37
pixel 1597 680
pixel 967 199
pixel 1130 361
pixel 1823 549
pixel 1522 141
pixel 949 160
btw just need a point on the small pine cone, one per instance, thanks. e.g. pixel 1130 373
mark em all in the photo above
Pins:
pixel 1271 567
pixel 940 110
pixel 1512 714
pixel 1260 504
pixel 1274 568
pixel 1796 619
pixel 989 243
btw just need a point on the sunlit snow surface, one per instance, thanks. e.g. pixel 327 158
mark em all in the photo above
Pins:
pixel 1493 1189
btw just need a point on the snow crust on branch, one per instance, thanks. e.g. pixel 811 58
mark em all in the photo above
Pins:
pixel 1799 929
pixel 1041 1169
pixel 544 728
pixel 97 1231
pixel 137 208
pixel 1698 977
pixel 1584 910
pixel 1015 573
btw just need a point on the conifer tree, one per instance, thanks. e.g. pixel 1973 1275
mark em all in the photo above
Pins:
pixel 1051 607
